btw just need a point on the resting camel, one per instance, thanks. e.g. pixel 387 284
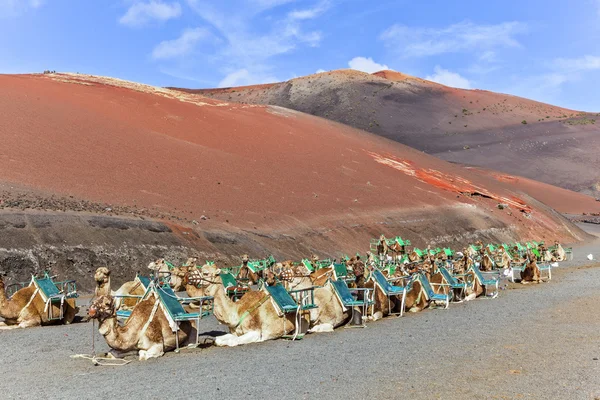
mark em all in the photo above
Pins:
pixel 487 264
pixel 103 288
pixel 253 318
pixel 330 313
pixel 415 300
pixel 382 247
pixel 26 309
pixel 504 259
pixel 559 253
pixel 246 274
pixel 146 330
pixel 531 273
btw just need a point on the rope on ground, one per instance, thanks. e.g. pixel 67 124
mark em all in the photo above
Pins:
pixel 114 362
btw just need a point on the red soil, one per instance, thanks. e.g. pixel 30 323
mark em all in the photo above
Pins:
pixel 243 166
pixel 562 200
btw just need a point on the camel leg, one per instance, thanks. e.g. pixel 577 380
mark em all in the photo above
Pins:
pixel 5 327
pixel 154 351
pixel 321 328
pixel 232 340
pixel 31 322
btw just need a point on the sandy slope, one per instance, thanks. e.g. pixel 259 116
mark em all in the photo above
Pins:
pixel 245 167
pixel 556 145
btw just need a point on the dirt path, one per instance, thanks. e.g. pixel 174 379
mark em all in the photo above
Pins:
pixel 537 341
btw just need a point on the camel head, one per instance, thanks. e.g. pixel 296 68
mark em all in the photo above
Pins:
pixel 314 258
pixel 191 262
pixel 245 258
pixel 179 277
pixel 158 265
pixel 102 276
pixel 206 277
pixel 102 308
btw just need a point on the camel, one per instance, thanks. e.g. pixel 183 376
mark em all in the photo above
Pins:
pixel 531 273
pixel 103 288
pixel 382 247
pixel 146 330
pixel 504 259
pixel 487 264
pixel 246 274
pixel 559 253
pixel 253 318
pixel 414 301
pixel 330 312
pixel 26 308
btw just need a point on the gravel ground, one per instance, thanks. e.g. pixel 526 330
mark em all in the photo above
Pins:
pixel 535 341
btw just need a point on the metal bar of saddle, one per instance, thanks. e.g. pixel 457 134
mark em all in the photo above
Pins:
pixel 389 290
pixel 50 294
pixel 430 293
pixel 349 301
pixel 172 304
pixel 486 282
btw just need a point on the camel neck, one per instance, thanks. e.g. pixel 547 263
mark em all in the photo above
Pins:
pixel 225 311
pixel 3 299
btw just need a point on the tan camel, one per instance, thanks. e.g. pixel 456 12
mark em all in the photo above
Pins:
pixel 382 246
pixel 487 264
pixel 253 318
pixel 330 312
pixel 147 330
pixel 26 308
pixel 415 300
pixel 503 258
pixel 559 253
pixel 531 273
pixel 246 274
pixel 103 288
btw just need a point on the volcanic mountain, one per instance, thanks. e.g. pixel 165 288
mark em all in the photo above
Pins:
pixel 475 127
pixel 98 169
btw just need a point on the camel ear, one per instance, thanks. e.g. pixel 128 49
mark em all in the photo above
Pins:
pixel 218 271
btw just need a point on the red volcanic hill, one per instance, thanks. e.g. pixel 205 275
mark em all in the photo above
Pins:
pixel 249 170
pixel 476 127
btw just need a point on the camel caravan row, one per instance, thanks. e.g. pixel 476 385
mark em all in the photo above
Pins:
pixel 264 299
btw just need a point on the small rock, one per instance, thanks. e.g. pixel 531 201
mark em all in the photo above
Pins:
pixel 194 222
pixel 203 217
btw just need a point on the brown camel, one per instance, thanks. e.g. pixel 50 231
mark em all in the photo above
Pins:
pixel 531 273
pixel 246 274
pixel 103 288
pixel 146 330
pixel 382 247
pixel 487 264
pixel 253 318
pixel 559 253
pixel 27 308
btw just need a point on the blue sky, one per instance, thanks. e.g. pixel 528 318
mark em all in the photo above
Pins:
pixel 546 50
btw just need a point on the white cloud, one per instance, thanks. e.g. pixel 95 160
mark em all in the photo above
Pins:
pixel 585 63
pixel 448 78
pixel 366 65
pixel 244 77
pixel 13 8
pixel 181 46
pixel 464 36
pixel 142 13
pixel 252 35
pixel 310 13
pixel 488 56
pixel 320 71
